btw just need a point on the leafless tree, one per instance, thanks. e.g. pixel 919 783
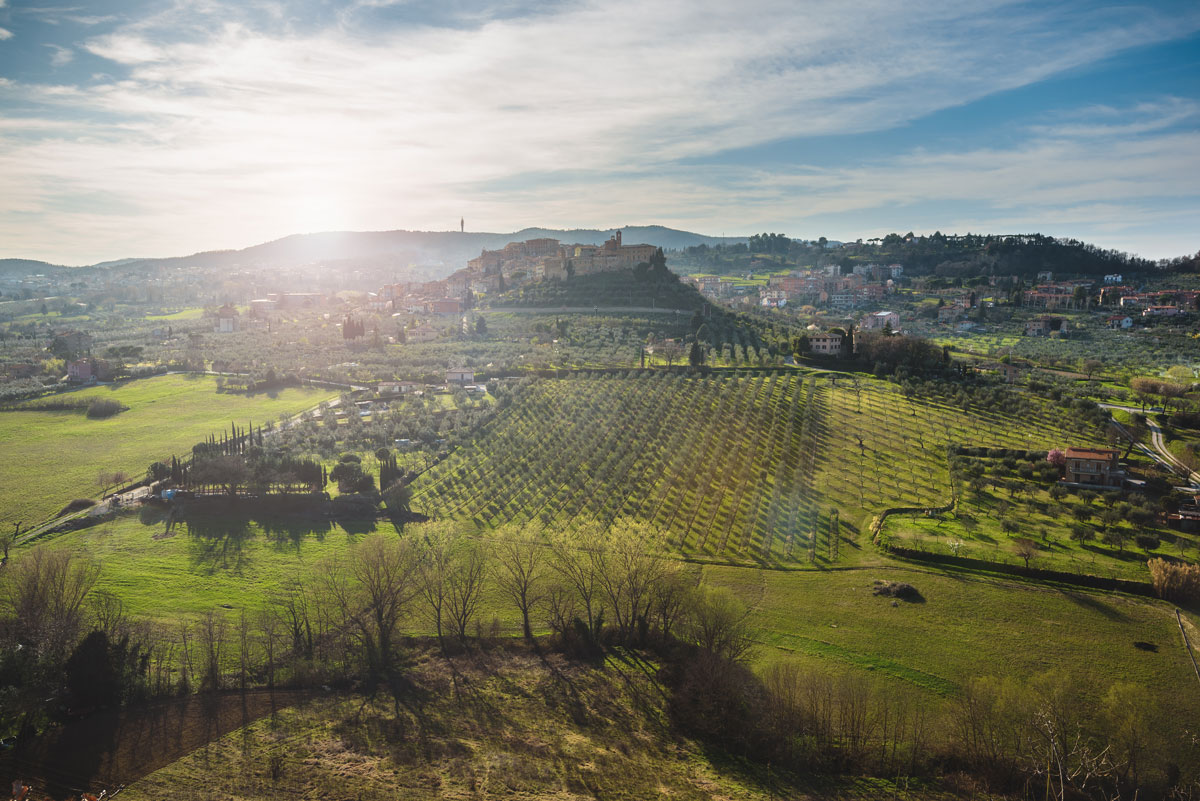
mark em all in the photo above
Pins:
pixel 43 591
pixel 521 570
pixel 213 634
pixel 630 563
pixel 465 590
pixel 577 557
pixel 371 593
pixel 268 627
pixel 718 624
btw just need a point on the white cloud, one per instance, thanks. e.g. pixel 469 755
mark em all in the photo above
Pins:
pixel 5 34
pixel 228 136
pixel 61 56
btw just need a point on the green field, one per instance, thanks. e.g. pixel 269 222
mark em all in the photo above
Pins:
pixel 234 565
pixel 49 458
pixel 967 624
pixel 732 467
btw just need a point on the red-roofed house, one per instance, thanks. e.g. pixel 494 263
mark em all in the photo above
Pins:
pixel 1093 467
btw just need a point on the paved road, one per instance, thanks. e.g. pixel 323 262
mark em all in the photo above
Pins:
pixel 1161 453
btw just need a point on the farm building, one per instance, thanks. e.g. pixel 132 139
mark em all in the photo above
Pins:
pixel 1093 467
pixel 79 370
pixel 828 344
pixel 881 321
pixel 460 376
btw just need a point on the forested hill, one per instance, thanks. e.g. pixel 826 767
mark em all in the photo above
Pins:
pixel 938 254
pixel 632 288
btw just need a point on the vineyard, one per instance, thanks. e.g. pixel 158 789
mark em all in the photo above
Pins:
pixel 750 468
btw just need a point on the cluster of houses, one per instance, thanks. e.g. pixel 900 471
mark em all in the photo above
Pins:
pixel 516 263
pixel 833 342
pixel 868 284
pixel 1079 294
pixel 387 391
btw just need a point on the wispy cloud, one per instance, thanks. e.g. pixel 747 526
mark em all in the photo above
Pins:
pixel 5 34
pixel 60 56
pixel 218 130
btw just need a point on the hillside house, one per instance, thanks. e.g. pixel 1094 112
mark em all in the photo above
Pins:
pixel 446 306
pixel 1043 326
pixel 827 344
pixel 421 333
pixel 1160 311
pixel 79 371
pixel 460 376
pixel 1093 467
pixel 227 320
pixel 1118 321
pixel 881 321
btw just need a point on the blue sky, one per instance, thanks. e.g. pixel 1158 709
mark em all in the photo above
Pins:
pixel 143 129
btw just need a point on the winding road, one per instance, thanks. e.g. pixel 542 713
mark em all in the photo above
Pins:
pixel 1160 452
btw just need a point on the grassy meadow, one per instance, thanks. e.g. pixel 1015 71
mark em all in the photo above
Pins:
pixel 964 625
pixel 47 458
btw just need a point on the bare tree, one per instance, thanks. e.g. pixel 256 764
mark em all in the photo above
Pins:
pixel 44 592
pixel 576 559
pixel 630 564
pixel 465 588
pixel 245 651
pixel 451 578
pixel 267 629
pixel 521 571
pixel 213 634
pixel 717 623
pixel 383 569
pixel 671 597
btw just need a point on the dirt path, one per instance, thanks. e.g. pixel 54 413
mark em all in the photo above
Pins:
pixel 112 749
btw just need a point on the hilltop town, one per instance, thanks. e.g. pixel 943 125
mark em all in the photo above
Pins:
pixel 517 263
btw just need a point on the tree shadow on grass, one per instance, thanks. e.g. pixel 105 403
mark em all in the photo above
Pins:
pixel 218 543
pixel 1088 601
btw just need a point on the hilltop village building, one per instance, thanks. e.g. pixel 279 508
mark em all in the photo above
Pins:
pixel 512 265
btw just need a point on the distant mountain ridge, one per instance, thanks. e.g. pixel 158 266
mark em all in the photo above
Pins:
pixel 449 248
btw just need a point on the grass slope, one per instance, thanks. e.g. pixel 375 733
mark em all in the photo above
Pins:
pixel 487 725
pixel 48 458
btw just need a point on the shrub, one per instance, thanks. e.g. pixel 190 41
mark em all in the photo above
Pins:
pixel 897 589
pixel 1175 581
pixel 103 407
pixel 77 505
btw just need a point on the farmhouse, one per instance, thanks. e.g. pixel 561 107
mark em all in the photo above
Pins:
pixel 881 321
pixel 421 333
pixel 460 377
pixel 446 306
pixel 227 320
pixel 1118 321
pixel 1160 311
pixel 1093 467
pixel 79 370
pixel 827 344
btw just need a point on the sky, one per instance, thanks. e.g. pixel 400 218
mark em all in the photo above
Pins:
pixel 133 129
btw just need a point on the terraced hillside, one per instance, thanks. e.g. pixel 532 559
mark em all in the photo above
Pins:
pixel 745 467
